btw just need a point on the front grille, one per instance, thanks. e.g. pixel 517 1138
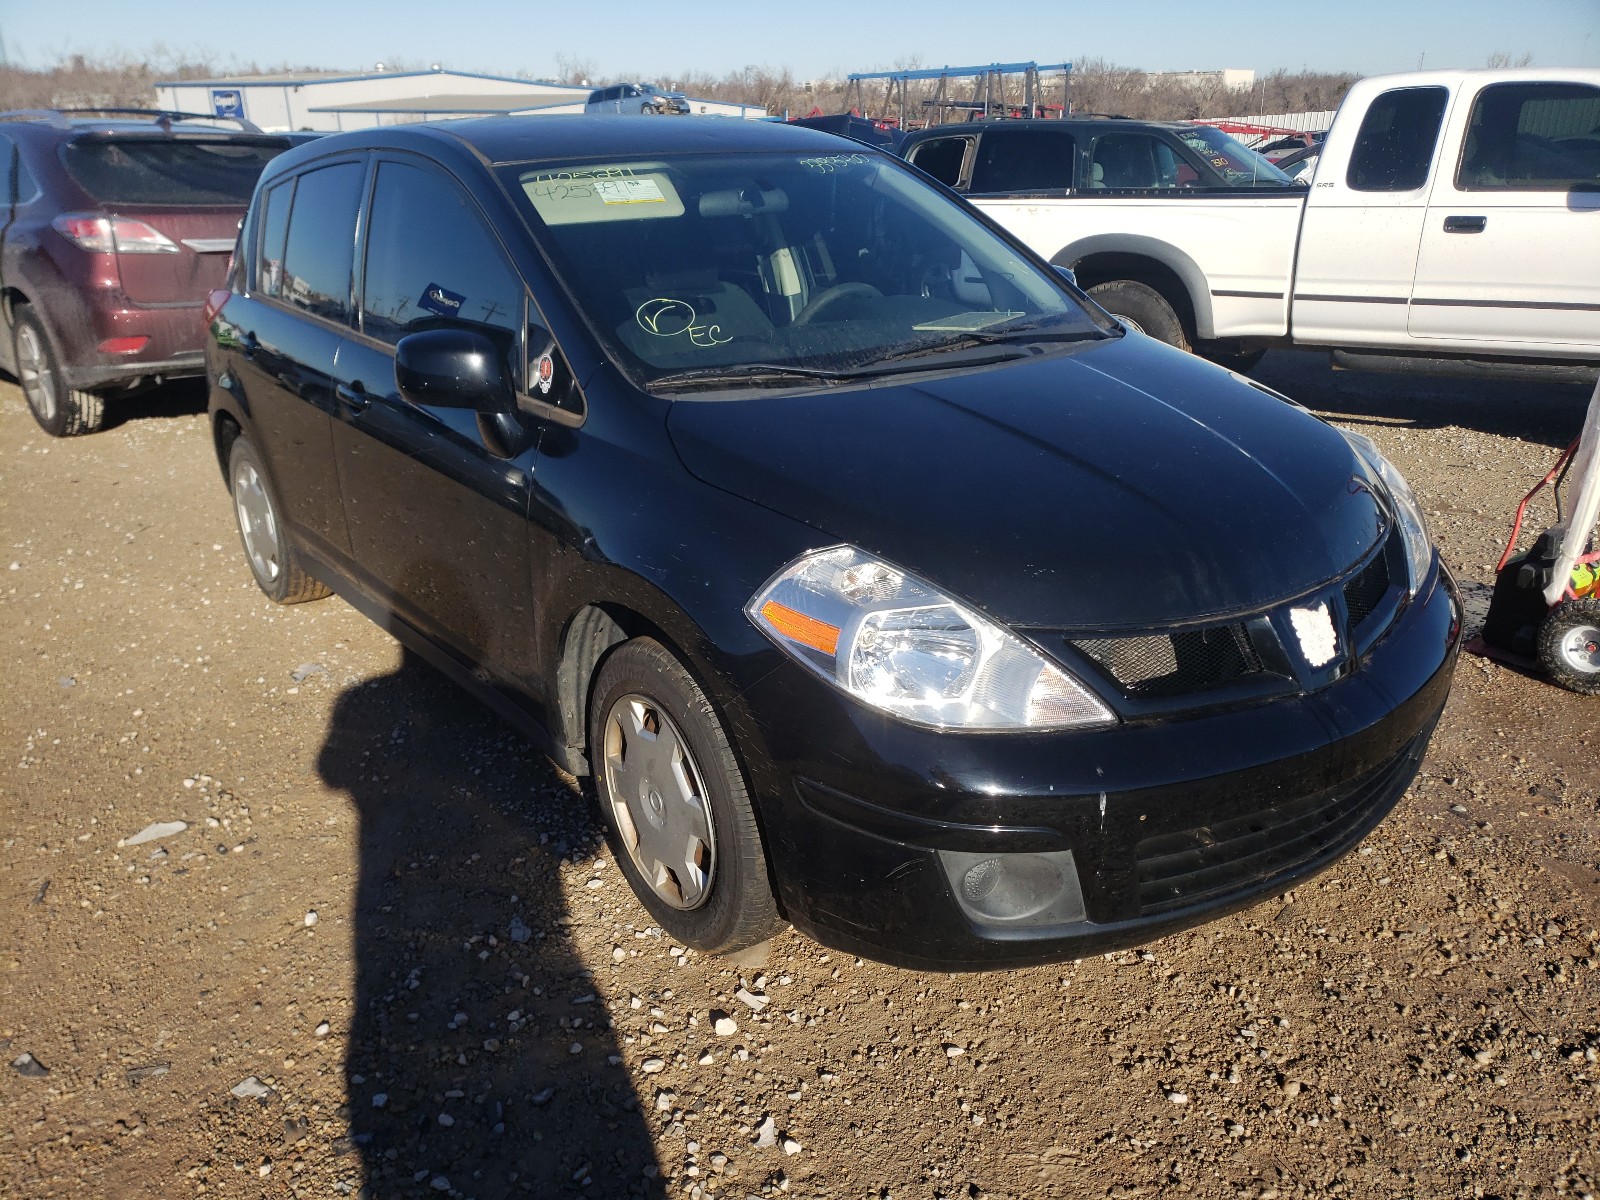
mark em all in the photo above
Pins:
pixel 1160 665
pixel 1190 866
pixel 1366 590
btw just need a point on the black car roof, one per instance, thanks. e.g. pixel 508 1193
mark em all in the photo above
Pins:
pixel 524 139
pixel 1075 123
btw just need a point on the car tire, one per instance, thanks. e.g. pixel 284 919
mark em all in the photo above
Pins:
pixel 267 546
pixel 675 804
pixel 1569 645
pixel 1141 307
pixel 61 411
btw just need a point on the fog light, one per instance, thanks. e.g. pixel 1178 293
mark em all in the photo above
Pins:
pixel 1015 890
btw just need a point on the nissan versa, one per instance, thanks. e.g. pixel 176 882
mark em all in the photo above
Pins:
pixel 884 585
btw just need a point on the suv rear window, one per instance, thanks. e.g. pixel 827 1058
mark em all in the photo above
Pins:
pixel 167 171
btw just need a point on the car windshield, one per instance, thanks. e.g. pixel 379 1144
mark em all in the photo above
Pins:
pixel 1238 166
pixel 714 269
pixel 160 171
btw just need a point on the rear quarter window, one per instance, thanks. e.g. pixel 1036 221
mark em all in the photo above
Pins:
pixel 154 171
pixel 1394 150
pixel 941 158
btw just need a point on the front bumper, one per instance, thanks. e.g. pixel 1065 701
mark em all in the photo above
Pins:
pixel 1168 822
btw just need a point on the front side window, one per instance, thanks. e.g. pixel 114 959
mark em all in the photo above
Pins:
pixel 1532 137
pixel 320 246
pixel 942 158
pixel 1024 160
pixel 1136 160
pixel 432 262
pixel 1394 149
pixel 838 263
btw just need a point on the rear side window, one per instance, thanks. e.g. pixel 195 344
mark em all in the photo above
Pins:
pixel 431 260
pixel 1024 160
pixel 159 171
pixel 1532 137
pixel 274 231
pixel 1395 146
pixel 320 247
pixel 941 158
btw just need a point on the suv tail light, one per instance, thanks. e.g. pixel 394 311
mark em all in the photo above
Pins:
pixel 112 235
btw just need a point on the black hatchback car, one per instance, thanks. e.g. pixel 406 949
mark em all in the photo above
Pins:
pixel 884 585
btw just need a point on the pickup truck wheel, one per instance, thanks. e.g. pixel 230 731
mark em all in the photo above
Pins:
pixel 1139 306
pixel 61 411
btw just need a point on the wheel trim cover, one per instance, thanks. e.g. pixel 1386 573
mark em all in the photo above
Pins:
pixel 658 802
pixel 258 524
pixel 33 372
pixel 1580 648
pixel 1129 322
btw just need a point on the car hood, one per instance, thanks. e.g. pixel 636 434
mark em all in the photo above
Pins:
pixel 1119 485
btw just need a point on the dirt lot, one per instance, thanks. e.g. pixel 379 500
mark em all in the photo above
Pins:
pixel 388 951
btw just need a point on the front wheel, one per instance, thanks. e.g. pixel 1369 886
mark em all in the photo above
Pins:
pixel 1569 645
pixel 61 411
pixel 675 803
pixel 1139 306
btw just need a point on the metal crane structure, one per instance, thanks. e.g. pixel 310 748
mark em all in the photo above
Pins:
pixel 989 91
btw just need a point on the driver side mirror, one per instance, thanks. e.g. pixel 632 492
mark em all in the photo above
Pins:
pixel 453 368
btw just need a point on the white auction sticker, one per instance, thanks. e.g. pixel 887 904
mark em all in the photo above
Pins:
pixel 629 191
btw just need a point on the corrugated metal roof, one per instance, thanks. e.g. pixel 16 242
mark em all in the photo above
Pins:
pixel 436 104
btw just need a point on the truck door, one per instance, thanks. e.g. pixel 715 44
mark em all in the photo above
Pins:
pixel 1363 222
pixel 1510 247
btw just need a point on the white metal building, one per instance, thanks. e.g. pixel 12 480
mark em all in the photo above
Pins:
pixel 326 101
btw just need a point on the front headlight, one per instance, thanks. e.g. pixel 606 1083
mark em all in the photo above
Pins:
pixel 895 642
pixel 1407 512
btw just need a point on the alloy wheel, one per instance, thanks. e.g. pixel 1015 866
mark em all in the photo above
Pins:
pixel 33 371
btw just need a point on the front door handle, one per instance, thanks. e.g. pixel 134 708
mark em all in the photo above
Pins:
pixel 353 395
pixel 1465 224
pixel 249 344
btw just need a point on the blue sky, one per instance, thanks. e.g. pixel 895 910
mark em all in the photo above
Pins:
pixel 626 38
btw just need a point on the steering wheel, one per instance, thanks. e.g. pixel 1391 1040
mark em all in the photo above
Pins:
pixel 829 296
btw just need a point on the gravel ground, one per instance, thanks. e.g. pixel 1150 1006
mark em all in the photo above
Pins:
pixel 374 942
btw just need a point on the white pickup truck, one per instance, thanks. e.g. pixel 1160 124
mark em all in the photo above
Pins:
pixel 1452 225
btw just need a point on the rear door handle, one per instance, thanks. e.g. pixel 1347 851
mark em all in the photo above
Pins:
pixel 353 396
pixel 1465 224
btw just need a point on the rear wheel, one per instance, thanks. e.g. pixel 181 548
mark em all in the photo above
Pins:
pixel 1569 645
pixel 267 548
pixel 61 411
pixel 1139 306
pixel 675 802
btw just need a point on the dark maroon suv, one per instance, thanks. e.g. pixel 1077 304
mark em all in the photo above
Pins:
pixel 114 228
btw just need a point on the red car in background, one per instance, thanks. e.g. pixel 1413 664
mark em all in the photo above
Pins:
pixel 114 227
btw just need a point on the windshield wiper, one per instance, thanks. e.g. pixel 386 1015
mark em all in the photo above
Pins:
pixel 1016 337
pixel 751 373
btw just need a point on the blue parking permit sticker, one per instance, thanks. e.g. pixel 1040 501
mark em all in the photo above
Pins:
pixel 441 300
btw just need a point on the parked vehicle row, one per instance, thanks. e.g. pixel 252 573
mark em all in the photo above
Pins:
pixel 883 584
pixel 113 228
pixel 1453 224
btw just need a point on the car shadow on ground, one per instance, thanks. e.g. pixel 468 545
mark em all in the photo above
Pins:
pixel 1547 413
pixel 481 1062
pixel 176 398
